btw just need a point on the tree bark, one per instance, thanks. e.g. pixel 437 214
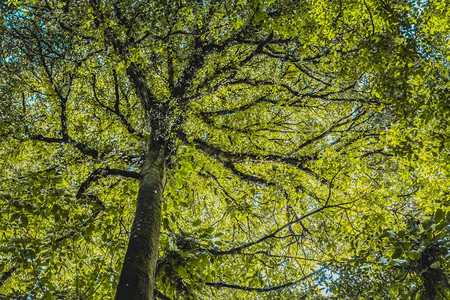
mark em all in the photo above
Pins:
pixel 137 278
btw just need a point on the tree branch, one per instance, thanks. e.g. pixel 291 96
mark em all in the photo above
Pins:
pixel 261 290
pixel 104 172
pixel 6 275
pixel 158 294
pixel 228 159
pixel 208 114
pixel 83 148
pixel 116 109
pixel 96 175
pixel 237 250
pixel 343 121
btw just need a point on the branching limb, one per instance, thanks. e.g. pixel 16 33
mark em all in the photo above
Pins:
pixel 104 172
pixel 116 109
pixel 261 290
pixel 83 148
pixel 96 175
pixel 208 114
pixel 158 294
pixel 227 156
pixel 237 250
pixel 247 177
pixel 7 274
pixel 228 159
pixel 352 117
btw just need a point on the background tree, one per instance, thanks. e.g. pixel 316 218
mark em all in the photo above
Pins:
pixel 274 149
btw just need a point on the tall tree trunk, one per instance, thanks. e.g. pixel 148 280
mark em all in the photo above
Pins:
pixel 137 279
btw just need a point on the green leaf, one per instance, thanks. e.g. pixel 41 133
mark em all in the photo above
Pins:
pixel 397 253
pixel 439 215
pixel 182 272
pixel 435 265
pixel 414 254
pixel 24 220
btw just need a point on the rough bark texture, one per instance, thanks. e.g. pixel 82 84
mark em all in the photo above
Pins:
pixel 137 279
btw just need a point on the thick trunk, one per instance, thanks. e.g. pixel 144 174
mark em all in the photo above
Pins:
pixel 137 279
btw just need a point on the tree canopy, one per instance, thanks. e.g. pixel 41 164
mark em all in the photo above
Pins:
pixel 250 149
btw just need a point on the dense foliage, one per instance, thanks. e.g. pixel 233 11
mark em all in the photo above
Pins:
pixel 302 148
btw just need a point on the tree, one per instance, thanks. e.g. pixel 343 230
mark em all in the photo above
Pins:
pixel 273 149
